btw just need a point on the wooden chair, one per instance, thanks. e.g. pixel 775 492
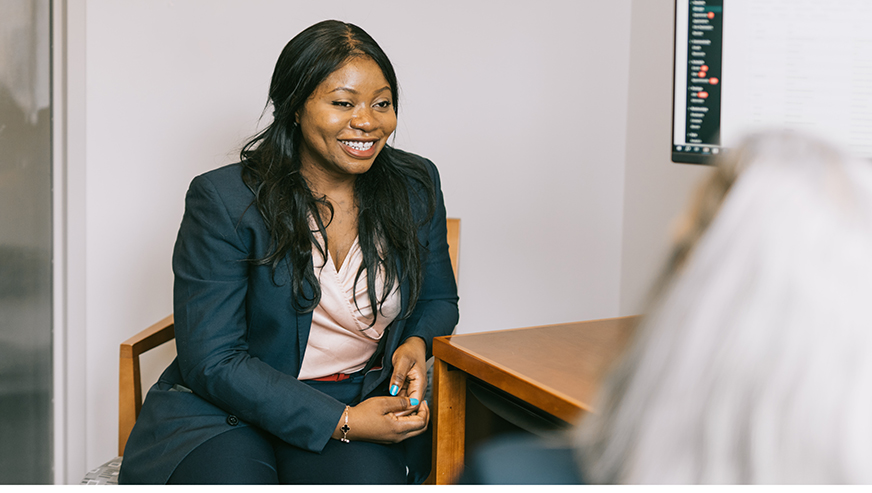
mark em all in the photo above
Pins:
pixel 130 378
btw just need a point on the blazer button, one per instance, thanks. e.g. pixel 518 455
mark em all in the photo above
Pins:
pixel 232 420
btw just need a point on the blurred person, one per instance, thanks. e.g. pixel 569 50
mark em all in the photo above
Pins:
pixel 751 365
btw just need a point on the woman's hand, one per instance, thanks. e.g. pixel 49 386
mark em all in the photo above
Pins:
pixel 409 378
pixel 406 414
pixel 384 420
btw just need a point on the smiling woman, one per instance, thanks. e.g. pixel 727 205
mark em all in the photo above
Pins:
pixel 310 280
pixel 346 122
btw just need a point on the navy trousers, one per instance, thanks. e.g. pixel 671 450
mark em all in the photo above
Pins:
pixel 249 455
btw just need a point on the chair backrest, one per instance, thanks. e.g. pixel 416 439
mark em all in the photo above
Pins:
pixel 453 225
pixel 129 368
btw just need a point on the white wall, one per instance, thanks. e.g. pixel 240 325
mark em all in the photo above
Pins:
pixel 523 106
pixel 655 188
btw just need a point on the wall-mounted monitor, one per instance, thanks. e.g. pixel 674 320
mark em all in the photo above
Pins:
pixel 748 65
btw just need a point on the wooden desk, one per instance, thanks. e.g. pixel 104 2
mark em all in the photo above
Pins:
pixel 557 368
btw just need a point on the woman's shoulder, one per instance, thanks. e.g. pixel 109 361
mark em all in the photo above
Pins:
pixel 415 161
pixel 226 186
pixel 229 175
pixel 412 159
pixel 226 181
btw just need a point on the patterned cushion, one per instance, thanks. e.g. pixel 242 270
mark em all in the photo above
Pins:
pixel 105 474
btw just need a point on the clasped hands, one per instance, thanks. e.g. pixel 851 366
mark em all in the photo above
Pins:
pixel 404 414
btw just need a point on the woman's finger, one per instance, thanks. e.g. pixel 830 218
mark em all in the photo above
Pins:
pixel 417 423
pixel 416 381
pixel 398 377
pixel 411 354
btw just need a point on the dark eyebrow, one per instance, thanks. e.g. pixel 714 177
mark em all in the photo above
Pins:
pixel 352 91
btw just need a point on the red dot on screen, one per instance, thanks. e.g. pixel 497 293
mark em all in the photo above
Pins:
pixel 701 74
pixel 711 15
pixel 704 68
pixel 713 81
pixel 702 94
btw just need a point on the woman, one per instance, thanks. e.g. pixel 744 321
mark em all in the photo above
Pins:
pixel 753 365
pixel 285 372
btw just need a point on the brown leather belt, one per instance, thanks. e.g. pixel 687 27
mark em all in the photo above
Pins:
pixel 338 377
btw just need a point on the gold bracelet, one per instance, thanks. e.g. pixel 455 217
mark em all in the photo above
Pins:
pixel 345 429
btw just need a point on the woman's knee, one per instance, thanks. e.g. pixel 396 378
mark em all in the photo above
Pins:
pixel 342 463
pixel 241 456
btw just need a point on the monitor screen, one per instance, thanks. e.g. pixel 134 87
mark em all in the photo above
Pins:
pixel 743 66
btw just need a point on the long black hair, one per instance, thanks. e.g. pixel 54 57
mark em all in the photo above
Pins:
pixel 387 229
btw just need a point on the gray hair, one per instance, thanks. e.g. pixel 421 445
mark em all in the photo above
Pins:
pixel 754 363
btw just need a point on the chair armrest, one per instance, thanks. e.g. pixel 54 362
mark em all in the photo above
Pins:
pixel 129 378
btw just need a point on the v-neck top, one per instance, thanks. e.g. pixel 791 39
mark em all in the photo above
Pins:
pixel 341 339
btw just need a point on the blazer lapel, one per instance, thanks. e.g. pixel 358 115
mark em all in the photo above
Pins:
pixel 303 320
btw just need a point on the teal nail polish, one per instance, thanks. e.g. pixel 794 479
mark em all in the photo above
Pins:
pixel 395 389
pixel 414 402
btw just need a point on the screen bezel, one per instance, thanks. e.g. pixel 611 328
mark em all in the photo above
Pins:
pixel 681 157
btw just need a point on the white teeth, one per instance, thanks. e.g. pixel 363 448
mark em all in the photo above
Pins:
pixel 360 146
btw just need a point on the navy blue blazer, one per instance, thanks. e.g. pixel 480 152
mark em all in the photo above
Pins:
pixel 240 342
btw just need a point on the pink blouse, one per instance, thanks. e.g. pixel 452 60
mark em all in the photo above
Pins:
pixel 341 339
